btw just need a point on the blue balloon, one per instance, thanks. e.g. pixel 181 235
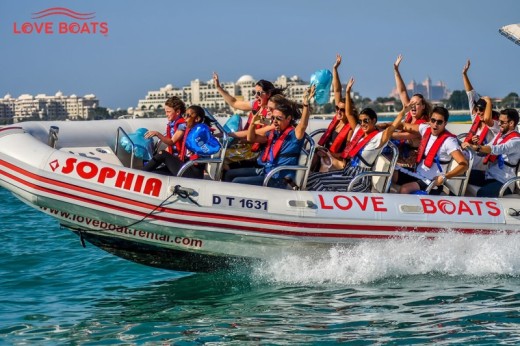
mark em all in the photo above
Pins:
pixel 322 79
pixel 201 141
pixel 233 124
pixel 143 147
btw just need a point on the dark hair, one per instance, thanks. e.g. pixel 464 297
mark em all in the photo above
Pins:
pixel 287 107
pixel 427 106
pixel 269 88
pixel 442 111
pixel 353 108
pixel 512 114
pixel 199 111
pixel 176 103
pixel 370 112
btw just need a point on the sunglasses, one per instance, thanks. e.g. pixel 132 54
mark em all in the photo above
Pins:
pixel 503 122
pixel 278 118
pixel 436 121
pixel 479 109
pixel 363 121
pixel 259 93
pixel 340 109
pixel 186 115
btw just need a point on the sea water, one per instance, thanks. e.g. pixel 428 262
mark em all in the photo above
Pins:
pixel 458 290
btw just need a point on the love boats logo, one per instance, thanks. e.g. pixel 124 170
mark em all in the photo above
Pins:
pixel 78 23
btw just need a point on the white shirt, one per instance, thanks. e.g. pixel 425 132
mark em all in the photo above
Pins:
pixel 510 152
pixel 444 154
pixel 473 97
pixel 371 150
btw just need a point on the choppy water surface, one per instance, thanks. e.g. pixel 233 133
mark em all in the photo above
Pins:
pixel 458 290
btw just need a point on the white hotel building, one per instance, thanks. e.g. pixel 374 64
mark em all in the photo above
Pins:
pixel 43 107
pixel 206 94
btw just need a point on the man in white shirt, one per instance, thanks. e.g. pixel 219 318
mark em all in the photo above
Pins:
pixel 437 148
pixel 503 154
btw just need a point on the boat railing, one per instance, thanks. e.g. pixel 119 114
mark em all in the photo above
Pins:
pixel 510 182
pixel 215 173
pixel 302 169
pixel 457 185
pixel 387 168
pixel 116 151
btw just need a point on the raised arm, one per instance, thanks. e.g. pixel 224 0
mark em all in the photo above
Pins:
pixel 299 131
pixel 349 107
pixel 465 79
pixel 230 100
pixel 389 131
pixel 252 135
pixel 488 112
pixel 336 83
pixel 399 83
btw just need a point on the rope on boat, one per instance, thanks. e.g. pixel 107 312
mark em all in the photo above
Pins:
pixel 177 190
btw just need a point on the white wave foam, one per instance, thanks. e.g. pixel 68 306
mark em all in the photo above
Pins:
pixel 451 254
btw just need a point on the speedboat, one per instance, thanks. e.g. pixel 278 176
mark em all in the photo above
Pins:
pixel 77 173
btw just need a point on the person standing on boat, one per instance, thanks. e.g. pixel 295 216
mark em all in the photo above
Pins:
pixel 262 92
pixel 483 129
pixel 333 141
pixel 174 108
pixel 407 142
pixel 502 154
pixel 194 115
pixel 360 153
pixel 438 147
pixel 283 144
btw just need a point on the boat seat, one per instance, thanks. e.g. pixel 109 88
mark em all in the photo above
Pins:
pixel 215 163
pixel 303 167
pixel 457 185
pixel 473 189
pixel 381 172
pixel 127 159
pixel 316 134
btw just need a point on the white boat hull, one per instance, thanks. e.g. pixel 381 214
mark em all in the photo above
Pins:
pixel 134 214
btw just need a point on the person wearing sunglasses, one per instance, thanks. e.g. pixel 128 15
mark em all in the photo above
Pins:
pixel 173 163
pixel 406 142
pixel 174 108
pixel 360 153
pixel 438 147
pixel 502 154
pixel 484 126
pixel 246 153
pixel 283 144
pixel 333 141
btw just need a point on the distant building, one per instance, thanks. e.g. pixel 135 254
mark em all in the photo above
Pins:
pixel 432 92
pixel 205 94
pixel 43 107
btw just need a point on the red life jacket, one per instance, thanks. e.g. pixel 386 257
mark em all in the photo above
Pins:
pixel 473 131
pixel 510 135
pixel 357 143
pixel 430 157
pixel 409 118
pixel 277 145
pixel 256 106
pixel 176 123
pixel 340 138
pixel 183 151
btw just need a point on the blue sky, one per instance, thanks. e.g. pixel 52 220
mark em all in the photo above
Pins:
pixel 152 43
